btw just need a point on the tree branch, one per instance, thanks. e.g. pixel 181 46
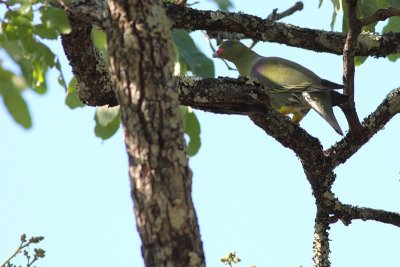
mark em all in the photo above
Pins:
pixel 94 86
pixel 380 15
pixel 239 100
pixel 141 62
pixel 289 135
pixel 274 16
pixel 256 28
pixel 223 95
pixel 80 50
pixel 247 97
pixel 252 27
pixel 347 213
pixel 354 31
pixel 93 12
pixel 376 121
pixel 321 239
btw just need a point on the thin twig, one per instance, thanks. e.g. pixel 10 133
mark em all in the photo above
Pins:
pixel 380 15
pixel 24 244
pixel 274 16
pixel 208 38
pixel 18 250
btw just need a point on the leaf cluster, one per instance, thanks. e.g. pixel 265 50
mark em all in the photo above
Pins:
pixel 26 29
pixel 25 26
pixel 366 8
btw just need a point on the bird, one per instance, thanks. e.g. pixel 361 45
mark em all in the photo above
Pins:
pixel 293 89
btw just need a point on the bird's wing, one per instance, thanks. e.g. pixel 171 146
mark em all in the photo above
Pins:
pixel 281 75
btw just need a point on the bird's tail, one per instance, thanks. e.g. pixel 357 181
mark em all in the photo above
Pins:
pixel 321 102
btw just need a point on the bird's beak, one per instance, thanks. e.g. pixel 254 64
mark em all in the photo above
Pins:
pixel 218 53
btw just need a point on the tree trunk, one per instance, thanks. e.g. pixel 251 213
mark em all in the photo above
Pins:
pixel 141 59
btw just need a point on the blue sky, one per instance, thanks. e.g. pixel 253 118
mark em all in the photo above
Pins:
pixel 251 196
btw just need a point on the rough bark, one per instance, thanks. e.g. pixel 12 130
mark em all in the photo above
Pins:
pixel 216 22
pixel 256 28
pixel 140 50
pixel 93 79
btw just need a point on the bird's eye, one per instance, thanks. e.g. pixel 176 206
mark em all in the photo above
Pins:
pixel 229 43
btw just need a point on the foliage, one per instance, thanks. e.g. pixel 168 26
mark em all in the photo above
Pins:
pixel 22 38
pixel 190 57
pixel 10 89
pixel 107 121
pixel 224 5
pixel 231 259
pixel 23 248
pixel 24 26
pixel 392 26
pixel 71 98
pixel 366 8
pixel 191 127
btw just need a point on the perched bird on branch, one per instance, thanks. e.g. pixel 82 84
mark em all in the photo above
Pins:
pixel 293 89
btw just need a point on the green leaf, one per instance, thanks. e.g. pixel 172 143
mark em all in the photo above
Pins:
pixel 393 26
pixel 337 7
pixel 224 5
pixel 100 41
pixel 34 59
pixel 10 31
pixel 359 60
pixel 44 32
pixel 18 22
pixel 191 56
pixel 364 8
pixel 38 74
pixel 394 3
pixel 394 57
pixel 71 98
pixel 60 79
pixel 191 127
pixel 107 121
pixel 10 89
pixel 99 38
pixel 55 18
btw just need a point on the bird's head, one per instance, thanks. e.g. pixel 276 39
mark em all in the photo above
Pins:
pixel 230 50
